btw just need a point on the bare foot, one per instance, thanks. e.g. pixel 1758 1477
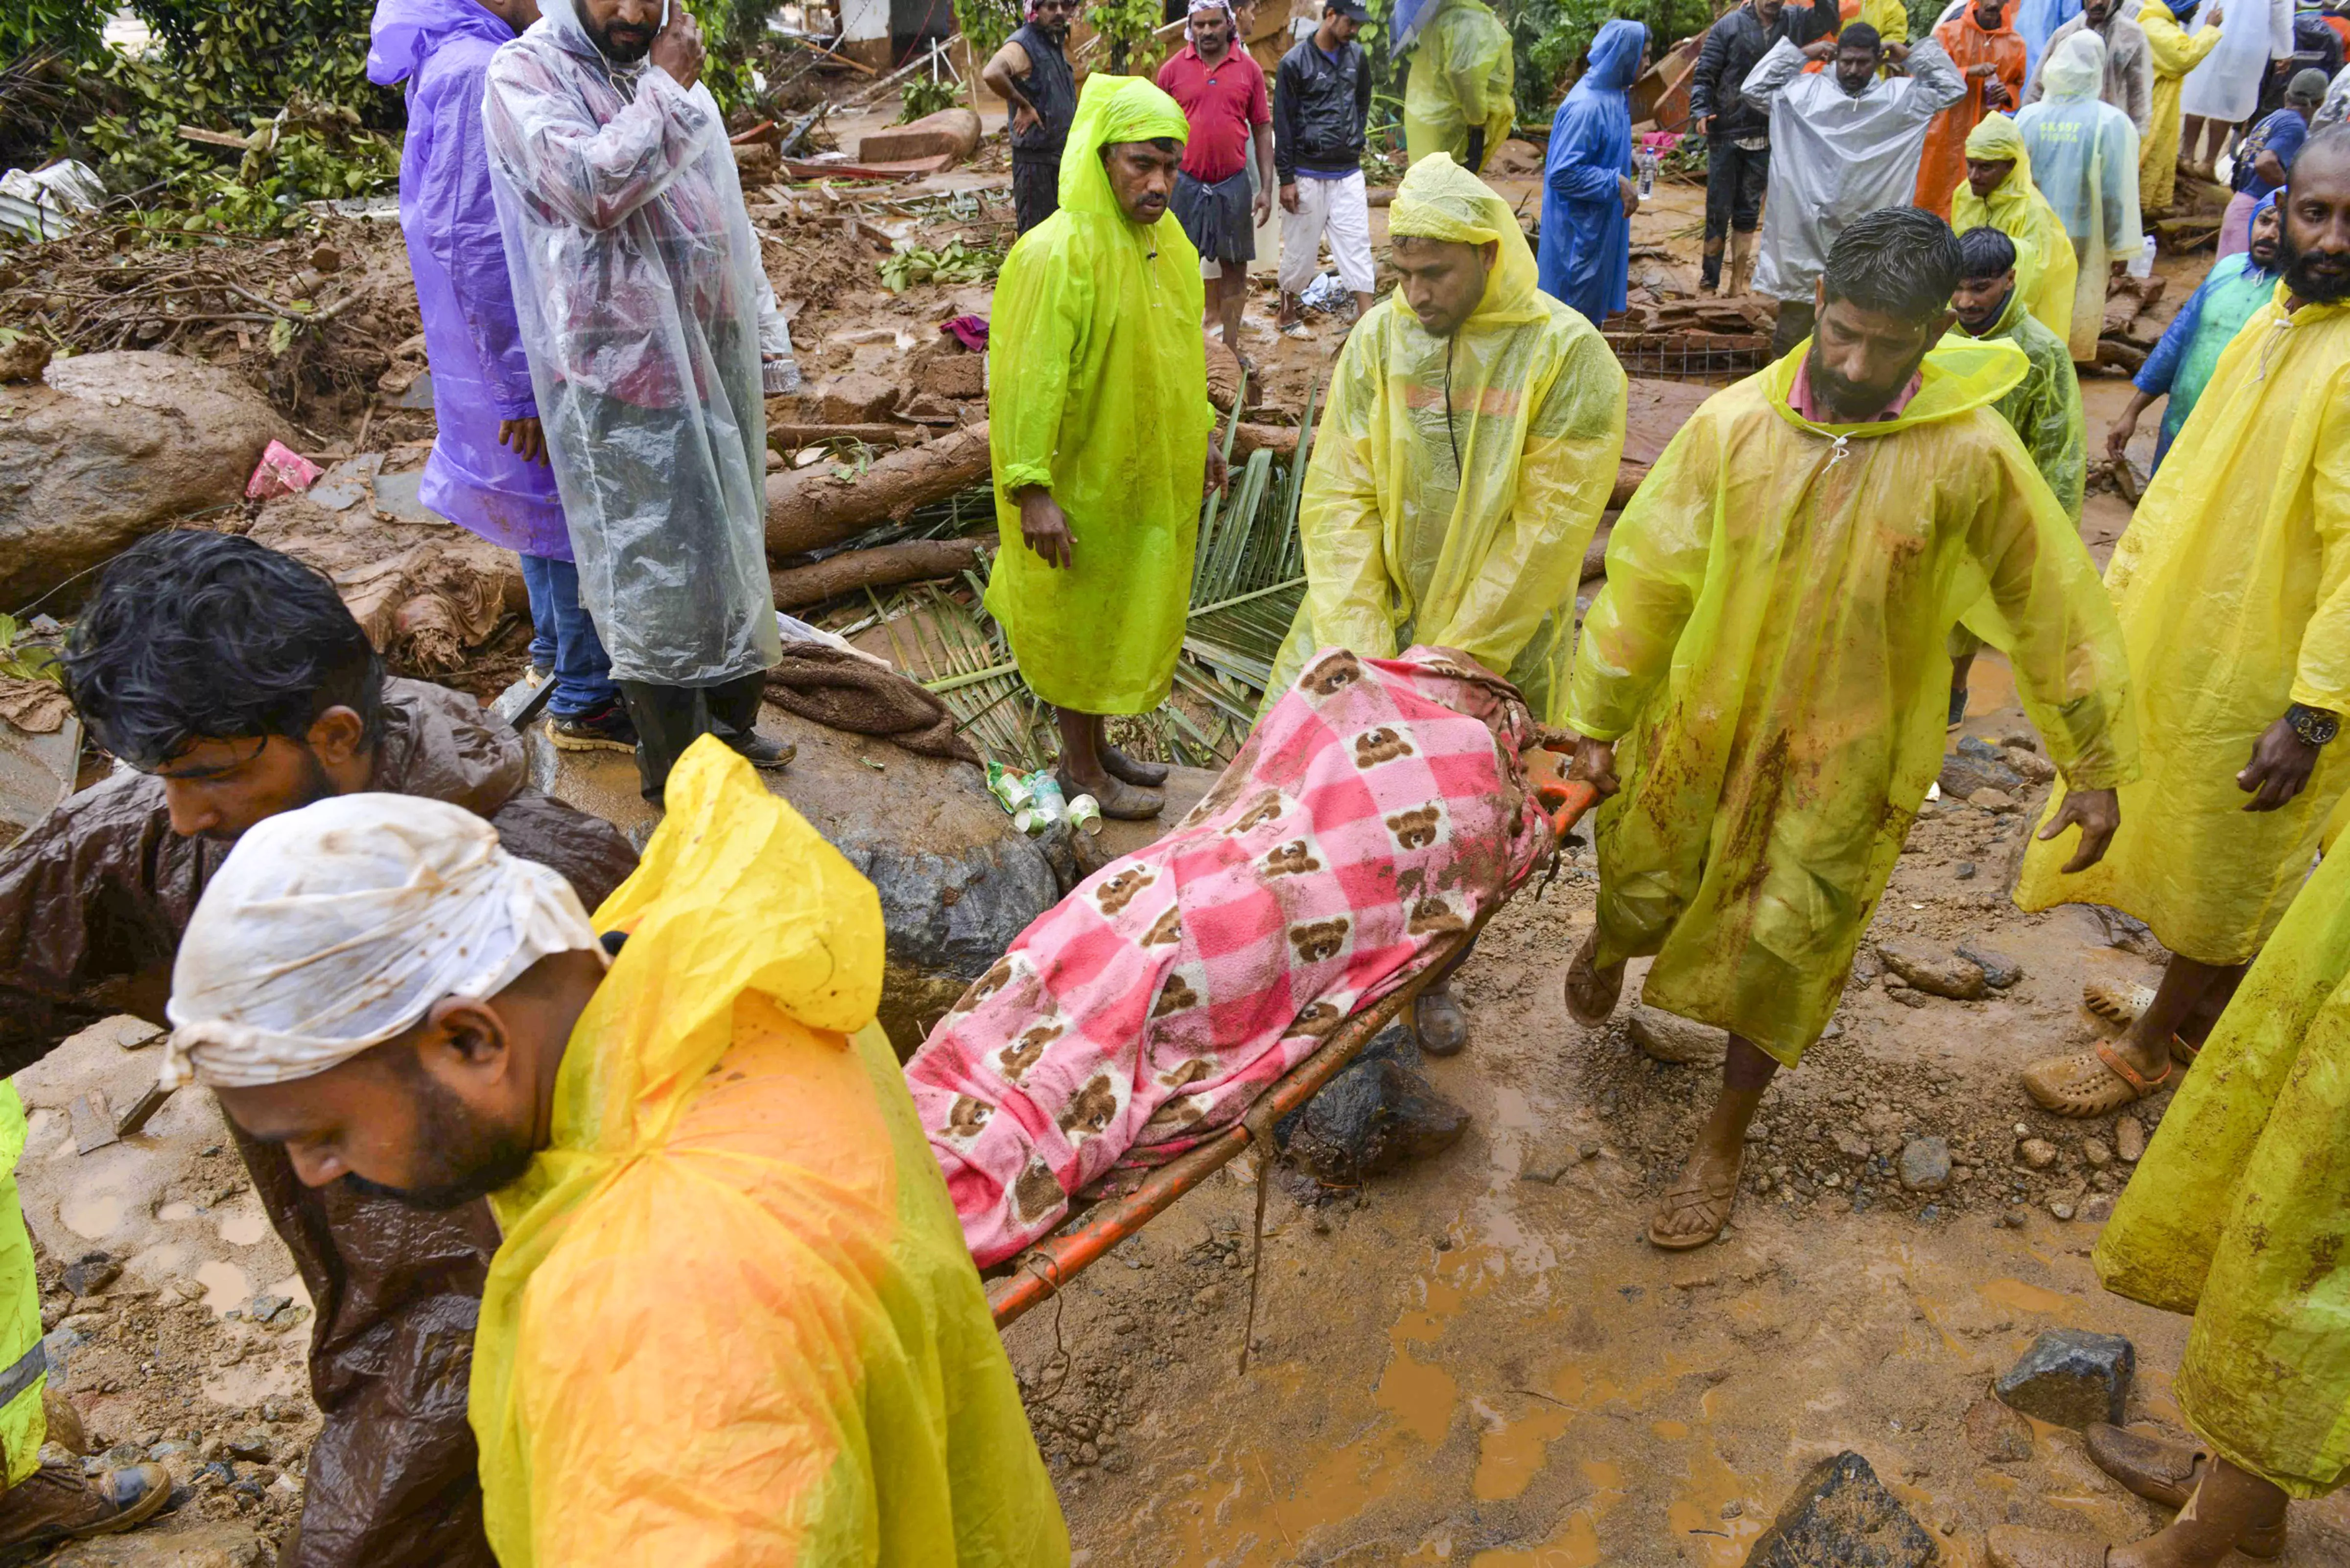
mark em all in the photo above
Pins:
pixel 1698 1206
pixel 1592 991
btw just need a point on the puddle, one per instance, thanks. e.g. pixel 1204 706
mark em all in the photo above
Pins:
pixel 226 1285
pixel 92 1215
pixel 243 1227
pixel 2025 1298
pixel 179 1208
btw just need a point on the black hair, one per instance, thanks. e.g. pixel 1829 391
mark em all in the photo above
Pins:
pixel 1861 36
pixel 1903 261
pixel 194 636
pixel 1985 252
pixel 2334 140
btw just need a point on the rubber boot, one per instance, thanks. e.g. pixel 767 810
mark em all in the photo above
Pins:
pixel 734 719
pixel 1742 263
pixel 1709 274
pixel 667 719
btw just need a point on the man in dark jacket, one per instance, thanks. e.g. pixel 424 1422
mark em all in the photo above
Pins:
pixel 239 686
pixel 1737 134
pixel 1321 108
pixel 1031 74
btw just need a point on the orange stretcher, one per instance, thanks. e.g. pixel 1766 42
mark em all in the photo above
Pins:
pixel 1044 1270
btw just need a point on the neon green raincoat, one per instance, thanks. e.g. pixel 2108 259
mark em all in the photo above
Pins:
pixel 733 1321
pixel 2044 408
pixel 1097 389
pixel 2240 1212
pixel 2232 584
pixel 2046 271
pixel 1404 547
pixel 1769 656
pixel 24 1368
pixel 1463 74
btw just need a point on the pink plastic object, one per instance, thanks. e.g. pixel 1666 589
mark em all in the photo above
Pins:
pixel 281 472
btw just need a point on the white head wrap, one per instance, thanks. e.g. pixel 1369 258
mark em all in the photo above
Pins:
pixel 332 928
pixel 1223 5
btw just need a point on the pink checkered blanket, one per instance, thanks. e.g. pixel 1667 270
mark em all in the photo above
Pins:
pixel 1378 805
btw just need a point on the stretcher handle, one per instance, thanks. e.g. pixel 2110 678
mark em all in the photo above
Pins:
pixel 1567 804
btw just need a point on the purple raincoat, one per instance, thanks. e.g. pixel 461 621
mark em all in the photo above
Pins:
pixel 441 49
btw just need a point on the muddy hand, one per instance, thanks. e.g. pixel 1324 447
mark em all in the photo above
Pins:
pixel 677 48
pixel 2098 813
pixel 1595 764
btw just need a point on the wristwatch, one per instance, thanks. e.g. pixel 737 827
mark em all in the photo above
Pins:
pixel 2315 726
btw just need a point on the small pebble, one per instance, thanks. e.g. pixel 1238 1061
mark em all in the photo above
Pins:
pixel 2060 1208
pixel 1964 870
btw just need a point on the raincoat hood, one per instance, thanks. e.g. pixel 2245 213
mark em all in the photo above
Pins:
pixel 2077 68
pixel 1614 56
pixel 1957 374
pixel 1111 109
pixel 560 21
pixel 1439 200
pixel 404 32
pixel 1996 138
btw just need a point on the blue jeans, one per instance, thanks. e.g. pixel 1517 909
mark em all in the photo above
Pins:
pixel 564 639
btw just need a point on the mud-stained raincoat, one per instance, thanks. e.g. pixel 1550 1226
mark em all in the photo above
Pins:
pixel 1463 73
pixel 2240 1211
pixel 2232 584
pixel 2044 408
pixel 1404 544
pixel 1586 240
pixel 1097 390
pixel 2084 162
pixel 2175 51
pixel 1942 168
pixel 643 306
pixel 1835 156
pixel 1769 657
pixel 2046 268
pixel 733 1320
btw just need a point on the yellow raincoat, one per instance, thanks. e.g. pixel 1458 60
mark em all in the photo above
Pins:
pixel 1463 74
pixel 2175 51
pixel 2046 271
pixel 2240 1212
pixel 733 1322
pixel 1097 389
pixel 23 1425
pixel 1399 548
pixel 1769 657
pixel 2232 584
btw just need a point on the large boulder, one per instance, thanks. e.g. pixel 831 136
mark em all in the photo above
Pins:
pixel 108 447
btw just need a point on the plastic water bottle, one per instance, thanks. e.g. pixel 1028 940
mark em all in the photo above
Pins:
pixel 1646 161
pixel 2142 264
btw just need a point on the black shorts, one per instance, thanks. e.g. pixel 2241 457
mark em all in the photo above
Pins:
pixel 1035 194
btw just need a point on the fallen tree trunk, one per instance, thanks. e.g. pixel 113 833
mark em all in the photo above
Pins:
pixel 1594 555
pixel 1628 475
pixel 884 567
pixel 809 508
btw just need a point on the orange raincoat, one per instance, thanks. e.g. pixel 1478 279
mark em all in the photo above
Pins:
pixel 1944 164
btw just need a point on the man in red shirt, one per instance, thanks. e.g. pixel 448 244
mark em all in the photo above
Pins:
pixel 1221 92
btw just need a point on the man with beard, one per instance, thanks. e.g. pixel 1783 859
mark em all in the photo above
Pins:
pixel 376 987
pixel 238 686
pixel 1031 73
pixel 1768 655
pixel 652 339
pixel 2181 364
pixel 1989 52
pixel 2232 584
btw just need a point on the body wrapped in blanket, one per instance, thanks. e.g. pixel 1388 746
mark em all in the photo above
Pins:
pixel 1379 806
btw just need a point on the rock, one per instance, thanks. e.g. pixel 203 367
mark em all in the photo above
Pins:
pixel 1839 1516
pixel 1926 1164
pixel 1208 1298
pixel 950 133
pixel 90 1273
pixel 855 398
pixel 2015 1217
pixel 1851 1145
pixel 2060 1209
pixel 1964 870
pixel 2072 1377
pixel 1996 1432
pixel 1940 974
pixel 2094 1151
pixel 961 376
pixel 1377 1114
pixel 2034 768
pixel 183 1543
pixel 1667 1037
pixel 108 447
pixel 253 1444
pixel 2000 971
pixel 25 359
pixel 2036 1152
pixel 1973 766
pixel 2129 1139
pixel 1992 800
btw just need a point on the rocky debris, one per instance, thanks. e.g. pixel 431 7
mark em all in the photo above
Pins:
pixel 1668 1037
pixel 90 1273
pixel 1993 800
pixel 2097 1152
pixel 2129 1139
pixel 2072 1377
pixel 2037 1153
pixel 1936 973
pixel 1377 1114
pixel 1996 1432
pixel 108 447
pixel 225 1544
pixel 1976 764
pixel 1926 1164
pixel 1840 1516
pixel 950 134
pixel 2000 971
pixel 2030 765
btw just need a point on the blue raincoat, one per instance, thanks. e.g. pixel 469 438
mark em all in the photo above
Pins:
pixel 441 49
pixel 2182 363
pixel 1586 240
pixel 2038 20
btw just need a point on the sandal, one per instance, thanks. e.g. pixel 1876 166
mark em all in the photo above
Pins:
pixel 1438 1021
pixel 2089 1084
pixel 1133 770
pixel 2117 1003
pixel 1713 1201
pixel 1591 993
pixel 1121 802
pixel 1296 329
pixel 2162 1469
pixel 2014 1548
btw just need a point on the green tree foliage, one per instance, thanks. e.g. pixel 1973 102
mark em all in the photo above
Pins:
pixel 987 23
pixel 69 26
pixel 1551 37
pixel 1125 27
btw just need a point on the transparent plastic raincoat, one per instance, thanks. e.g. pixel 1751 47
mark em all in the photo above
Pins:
pixel 644 305
pixel 1835 156
pixel 2084 162
pixel 2038 20
pixel 2227 85
pixel 2046 268
pixel 1586 240
pixel 733 1320
pixel 1404 545
pixel 2175 51
pixel 1463 74
pixel 2232 583
pixel 1769 656
pixel 1097 389
pixel 2240 1212
pixel 1942 167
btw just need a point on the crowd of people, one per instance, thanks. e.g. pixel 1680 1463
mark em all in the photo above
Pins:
pixel 499 1076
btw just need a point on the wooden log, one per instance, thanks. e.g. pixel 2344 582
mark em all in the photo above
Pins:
pixel 917 560
pixel 1628 475
pixel 793 437
pixel 1280 440
pixel 809 508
